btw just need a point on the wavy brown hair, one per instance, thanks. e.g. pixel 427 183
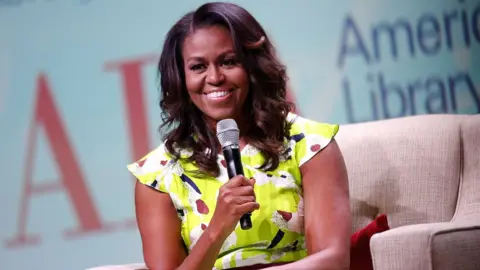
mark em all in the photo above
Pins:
pixel 266 103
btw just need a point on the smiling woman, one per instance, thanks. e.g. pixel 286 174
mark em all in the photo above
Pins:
pixel 218 63
pixel 221 47
pixel 216 81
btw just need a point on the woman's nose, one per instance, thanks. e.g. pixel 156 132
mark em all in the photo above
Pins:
pixel 215 76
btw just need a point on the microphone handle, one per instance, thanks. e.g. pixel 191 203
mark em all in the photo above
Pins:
pixel 234 168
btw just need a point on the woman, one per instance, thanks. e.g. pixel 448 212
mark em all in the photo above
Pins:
pixel 217 62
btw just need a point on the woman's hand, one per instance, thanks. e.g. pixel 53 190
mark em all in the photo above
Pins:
pixel 235 198
pixel 157 219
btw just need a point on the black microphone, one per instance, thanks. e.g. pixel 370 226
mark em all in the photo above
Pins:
pixel 229 136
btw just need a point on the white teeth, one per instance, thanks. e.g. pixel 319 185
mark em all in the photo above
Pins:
pixel 218 94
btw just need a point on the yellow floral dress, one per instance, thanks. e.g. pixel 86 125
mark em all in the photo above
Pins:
pixel 277 234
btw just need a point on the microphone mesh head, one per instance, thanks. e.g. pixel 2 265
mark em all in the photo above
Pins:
pixel 227 132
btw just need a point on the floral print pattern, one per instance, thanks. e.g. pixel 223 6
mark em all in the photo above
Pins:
pixel 277 234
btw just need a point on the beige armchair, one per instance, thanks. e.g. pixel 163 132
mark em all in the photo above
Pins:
pixel 423 172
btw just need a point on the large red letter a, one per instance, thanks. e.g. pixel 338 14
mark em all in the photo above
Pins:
pixel 72 180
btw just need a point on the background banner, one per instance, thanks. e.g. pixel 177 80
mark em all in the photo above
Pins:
pixel 79 100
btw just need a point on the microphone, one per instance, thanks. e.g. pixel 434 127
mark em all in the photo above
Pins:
pixel 229 136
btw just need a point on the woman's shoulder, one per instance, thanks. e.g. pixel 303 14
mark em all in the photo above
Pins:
pixel 156 167
pixel 308 137
pixel 307 126
pixel 158 158
pixel 153 161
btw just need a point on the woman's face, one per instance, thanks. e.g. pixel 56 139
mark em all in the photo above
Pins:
pixel 216 82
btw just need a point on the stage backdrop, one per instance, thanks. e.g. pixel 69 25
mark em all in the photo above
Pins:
pixel 79 95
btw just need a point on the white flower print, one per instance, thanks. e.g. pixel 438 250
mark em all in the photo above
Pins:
pixel 313 144
pixel 229 242
pixel 282 180
pixel 250 150
pixel 293 222
pixel 195 234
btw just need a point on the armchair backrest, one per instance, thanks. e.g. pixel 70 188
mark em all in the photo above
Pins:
pixel 413 168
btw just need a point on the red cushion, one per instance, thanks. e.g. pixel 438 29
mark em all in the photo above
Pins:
pixel 360 257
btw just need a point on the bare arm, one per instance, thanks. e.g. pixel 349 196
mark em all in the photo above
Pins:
pixel 160 227
pixel 327 212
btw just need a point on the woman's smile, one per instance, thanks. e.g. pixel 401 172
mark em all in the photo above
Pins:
pixel 219 95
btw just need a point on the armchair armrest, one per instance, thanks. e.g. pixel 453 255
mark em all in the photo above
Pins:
pixel 433 246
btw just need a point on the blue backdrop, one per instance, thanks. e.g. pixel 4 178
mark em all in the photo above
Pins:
pixel 78 100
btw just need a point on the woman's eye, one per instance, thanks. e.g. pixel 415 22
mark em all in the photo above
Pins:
pixel 230 62
pixel 197 67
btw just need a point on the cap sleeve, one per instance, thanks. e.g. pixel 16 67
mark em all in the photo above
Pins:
pixel 310 137
pixel 152 170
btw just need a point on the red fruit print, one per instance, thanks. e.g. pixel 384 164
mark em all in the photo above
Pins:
pixel 202 207
pixel 286 215
pixel 315 147
pixel 141 162
pixel 224 163
pixel 163 162
pixel 204 227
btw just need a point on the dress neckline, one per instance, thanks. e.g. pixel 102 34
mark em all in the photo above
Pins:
pixel 248 147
